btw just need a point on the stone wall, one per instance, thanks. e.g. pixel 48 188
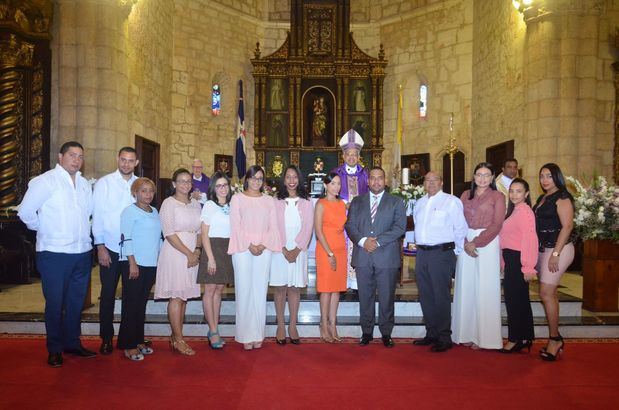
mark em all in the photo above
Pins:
pixel 211 45
pixel 432 45
pixel 498 94
pixel 149 57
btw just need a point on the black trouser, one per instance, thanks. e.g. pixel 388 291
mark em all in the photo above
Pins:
pixel 516 291
pixel 369 281
pixel 109 283
pixel 134 298
pixel 433 272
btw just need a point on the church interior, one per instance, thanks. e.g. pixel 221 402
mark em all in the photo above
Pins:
pixel 438 85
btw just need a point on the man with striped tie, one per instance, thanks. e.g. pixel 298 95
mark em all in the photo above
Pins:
pixel 376 222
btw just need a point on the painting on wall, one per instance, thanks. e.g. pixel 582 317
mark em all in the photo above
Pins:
pixel 418 165
pixel 223 163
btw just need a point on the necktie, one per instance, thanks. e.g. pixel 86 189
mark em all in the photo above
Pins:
pixel 374 207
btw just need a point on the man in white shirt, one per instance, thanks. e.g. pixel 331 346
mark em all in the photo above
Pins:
pixel 58 205
pixel 112 194
pixel 505 178
pixel 440 229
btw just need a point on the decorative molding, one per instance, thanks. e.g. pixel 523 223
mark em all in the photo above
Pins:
pixel 15 52
pixel 29 17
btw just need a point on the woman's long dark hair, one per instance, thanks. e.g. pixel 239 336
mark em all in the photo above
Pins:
pixel 527 199
pixel 327 180
pixel 474 185
pixel 175 175
pixel 212 193
pixel 557 176
pixel 251 172
pixel 282 192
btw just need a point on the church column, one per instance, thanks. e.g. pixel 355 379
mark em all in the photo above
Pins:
pixel 90 79
pixel 560 85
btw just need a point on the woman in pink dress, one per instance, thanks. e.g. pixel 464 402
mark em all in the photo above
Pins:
pixel 253 237
pixel 177 267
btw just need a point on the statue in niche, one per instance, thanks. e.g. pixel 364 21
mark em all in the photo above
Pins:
pixel 278 136
pixel 277 95
pixel 359 98
pixel 319 122
pixel 361 127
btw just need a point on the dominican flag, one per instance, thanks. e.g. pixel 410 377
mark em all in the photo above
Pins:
pixel 240 157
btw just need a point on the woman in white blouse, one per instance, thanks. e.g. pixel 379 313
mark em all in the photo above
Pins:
pixel 215 270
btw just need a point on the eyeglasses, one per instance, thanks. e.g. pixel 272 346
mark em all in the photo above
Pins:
pixel 257 179
pixel 220 186
pixel 483 175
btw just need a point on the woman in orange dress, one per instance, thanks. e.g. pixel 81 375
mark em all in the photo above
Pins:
pixel 331 256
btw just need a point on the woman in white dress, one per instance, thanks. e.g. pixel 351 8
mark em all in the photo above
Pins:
pixel 476 310
pixel 295 221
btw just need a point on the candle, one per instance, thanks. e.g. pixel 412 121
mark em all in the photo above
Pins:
pixel 405 176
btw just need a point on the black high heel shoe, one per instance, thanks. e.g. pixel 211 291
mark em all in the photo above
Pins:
pixel 549 357
pixel 518 346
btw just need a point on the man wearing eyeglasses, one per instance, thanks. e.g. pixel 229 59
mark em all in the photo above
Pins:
pixel 440 229
pixel 199 182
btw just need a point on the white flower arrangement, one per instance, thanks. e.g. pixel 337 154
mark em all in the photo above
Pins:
pixel 409 192
pixel 596 209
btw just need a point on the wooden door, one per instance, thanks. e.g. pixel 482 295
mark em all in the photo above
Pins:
pixel 497 154
pixel 148 154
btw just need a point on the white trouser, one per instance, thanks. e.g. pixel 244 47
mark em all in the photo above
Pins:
pixel 251 282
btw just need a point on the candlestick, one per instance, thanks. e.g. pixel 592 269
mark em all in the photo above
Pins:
pixel 405 179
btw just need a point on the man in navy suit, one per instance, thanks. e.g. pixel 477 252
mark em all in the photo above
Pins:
pixel 376 222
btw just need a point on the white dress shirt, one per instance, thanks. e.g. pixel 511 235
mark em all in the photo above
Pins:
pixel 440 219
pixel 378 198
pixel 351 170
pixel 59 211
pixel 112 194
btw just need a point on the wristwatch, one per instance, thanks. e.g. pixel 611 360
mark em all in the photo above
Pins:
pixel 555 253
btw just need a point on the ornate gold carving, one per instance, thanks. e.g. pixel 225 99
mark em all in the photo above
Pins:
pixel 257 50
pixel 15 52
pixel 319 29
pixel 260 158
pixel 294 157
pixel 27 16
pixel 282 52
pixel 37 80
pixel 11 113
pixel 377 159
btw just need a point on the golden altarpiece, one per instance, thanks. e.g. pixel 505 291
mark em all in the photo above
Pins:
pixel 25 73
pixel 314 88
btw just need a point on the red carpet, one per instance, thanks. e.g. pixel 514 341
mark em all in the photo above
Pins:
pixel 312 375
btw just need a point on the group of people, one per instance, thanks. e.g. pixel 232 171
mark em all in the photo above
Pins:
pixel 204 235
pixel 481 235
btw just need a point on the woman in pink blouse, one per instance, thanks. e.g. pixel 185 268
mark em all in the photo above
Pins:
pixel 253 237
pixel 518 240
pixel 476 310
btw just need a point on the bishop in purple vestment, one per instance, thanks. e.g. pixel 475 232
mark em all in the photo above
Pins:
pixel 354 177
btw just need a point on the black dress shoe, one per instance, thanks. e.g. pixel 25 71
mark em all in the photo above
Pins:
pixel 81 352
pixel 426 341
pixel 295 341
pixel 280 342
pixel 388 341
pixel 441 347
pixel 365 339
pixel 106 347
pixel 147 343
pixel 54 359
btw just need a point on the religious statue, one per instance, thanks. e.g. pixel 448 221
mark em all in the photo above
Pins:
pixel 277 130
pixel 277 95
pixel 417 172
pixel 319 122
pixel 224 167
pixel 359 98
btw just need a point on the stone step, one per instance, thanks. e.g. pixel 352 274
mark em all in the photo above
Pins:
pixel 569 306
pixel 348 326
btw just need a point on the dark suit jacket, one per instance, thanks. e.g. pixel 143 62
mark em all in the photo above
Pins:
pixel 388 227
